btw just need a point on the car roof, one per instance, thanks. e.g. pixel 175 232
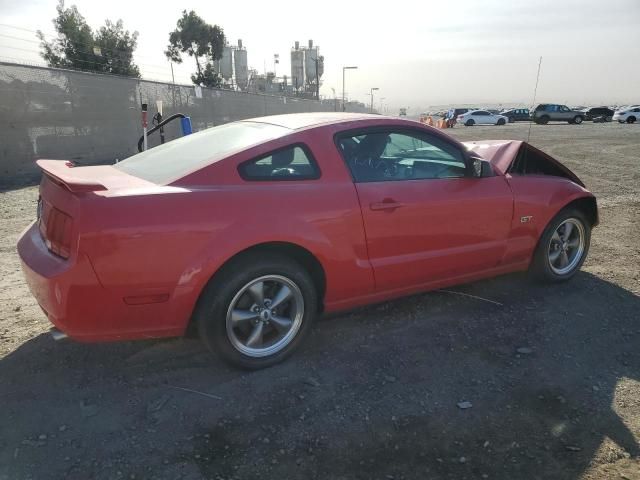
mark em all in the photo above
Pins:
pixel 297 121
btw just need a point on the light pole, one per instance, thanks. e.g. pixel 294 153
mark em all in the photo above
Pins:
pixel 344 106
pixel 372 90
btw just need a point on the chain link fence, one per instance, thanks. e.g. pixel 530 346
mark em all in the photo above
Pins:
pixel 92 118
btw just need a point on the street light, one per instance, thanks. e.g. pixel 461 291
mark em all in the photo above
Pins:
pixel 372 90
pixel 344 107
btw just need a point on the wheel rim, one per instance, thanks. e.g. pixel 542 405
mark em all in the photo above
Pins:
pixel 566 246
pixel 265 316
pixel 578 120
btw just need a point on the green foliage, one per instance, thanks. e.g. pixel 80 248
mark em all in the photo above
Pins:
pixel 207 77
pixel 109 50
pixel 117 46
pixel 198 39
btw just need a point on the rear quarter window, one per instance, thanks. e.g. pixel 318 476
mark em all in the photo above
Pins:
pixel 294 162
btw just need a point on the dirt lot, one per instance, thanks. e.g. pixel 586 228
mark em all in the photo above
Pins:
pixel 373 394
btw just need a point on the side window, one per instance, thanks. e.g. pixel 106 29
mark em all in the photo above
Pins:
pixel 392 156
pixel 290 163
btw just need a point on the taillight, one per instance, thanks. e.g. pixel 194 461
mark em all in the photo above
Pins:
pixel 55 228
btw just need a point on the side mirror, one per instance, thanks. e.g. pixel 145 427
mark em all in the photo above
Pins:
pixel 481 168
pixel 477 167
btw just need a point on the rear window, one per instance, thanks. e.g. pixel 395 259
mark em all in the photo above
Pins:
pixel 166 163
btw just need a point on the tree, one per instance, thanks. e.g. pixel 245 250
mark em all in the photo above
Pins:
pixel 109 50
pixel 199 40
pixel 117 46
pixel 207 77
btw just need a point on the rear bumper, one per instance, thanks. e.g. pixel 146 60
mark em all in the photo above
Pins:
pixel 75 302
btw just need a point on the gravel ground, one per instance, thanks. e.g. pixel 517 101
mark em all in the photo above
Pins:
pixel 545 385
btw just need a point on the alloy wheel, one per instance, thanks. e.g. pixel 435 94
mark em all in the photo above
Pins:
pixel 265 316
pixel 566 246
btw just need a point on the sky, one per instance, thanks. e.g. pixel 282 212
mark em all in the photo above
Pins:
pixel 418 53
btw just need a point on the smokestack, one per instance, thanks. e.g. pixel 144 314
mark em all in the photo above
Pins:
pixel 310 44
pixel 297 45
pixel 240 43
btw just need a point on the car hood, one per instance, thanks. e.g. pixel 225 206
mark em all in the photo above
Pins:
pixel 502 153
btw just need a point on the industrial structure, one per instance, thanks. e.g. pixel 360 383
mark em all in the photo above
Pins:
pixel 233 67
pixel 307 67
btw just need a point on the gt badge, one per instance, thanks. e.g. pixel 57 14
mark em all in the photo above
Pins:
pixel 526 219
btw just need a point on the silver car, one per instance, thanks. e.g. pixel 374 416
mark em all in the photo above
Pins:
pixel 546 112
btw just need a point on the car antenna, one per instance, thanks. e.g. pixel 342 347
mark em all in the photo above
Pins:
pixel 535 91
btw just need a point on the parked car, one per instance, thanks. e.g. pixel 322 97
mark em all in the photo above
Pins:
pixel 451 116
pixel 627 114
pixel 247 231
pixel 517 115
pixel 546 112
pixel 596 112
pixel 481 117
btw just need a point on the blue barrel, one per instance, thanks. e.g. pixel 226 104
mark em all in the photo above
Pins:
pixel 186 126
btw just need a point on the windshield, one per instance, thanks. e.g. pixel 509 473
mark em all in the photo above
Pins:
pixel 173 160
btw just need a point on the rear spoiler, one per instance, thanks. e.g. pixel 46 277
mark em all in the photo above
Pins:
pixel 62 172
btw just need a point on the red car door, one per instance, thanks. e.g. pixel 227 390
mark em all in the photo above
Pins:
pixel 424 219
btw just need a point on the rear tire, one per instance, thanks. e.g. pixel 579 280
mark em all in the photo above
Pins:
pixel 557 259
pixel 512 119
pixel 543 120
pixel 577 120
pixel 470 123
pixel 240 319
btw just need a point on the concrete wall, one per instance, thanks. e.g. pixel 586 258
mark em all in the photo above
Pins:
pixel 91 118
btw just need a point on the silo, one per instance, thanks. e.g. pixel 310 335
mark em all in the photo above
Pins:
pixel 297 67
pixel 320 65
pixel 310 58
pixel 242 69
pixel 226 63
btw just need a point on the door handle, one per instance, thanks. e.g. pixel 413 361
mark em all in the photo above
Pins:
pixel 386 204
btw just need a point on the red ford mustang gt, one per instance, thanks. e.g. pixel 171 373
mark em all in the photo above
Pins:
pixel 249 230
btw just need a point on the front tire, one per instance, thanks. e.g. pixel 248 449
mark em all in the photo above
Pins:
pixel 257 310
pixel 562 248
pixel 470 123
pixel 500 121
pixel 543 120
pixel 577 120
pixel 631 119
